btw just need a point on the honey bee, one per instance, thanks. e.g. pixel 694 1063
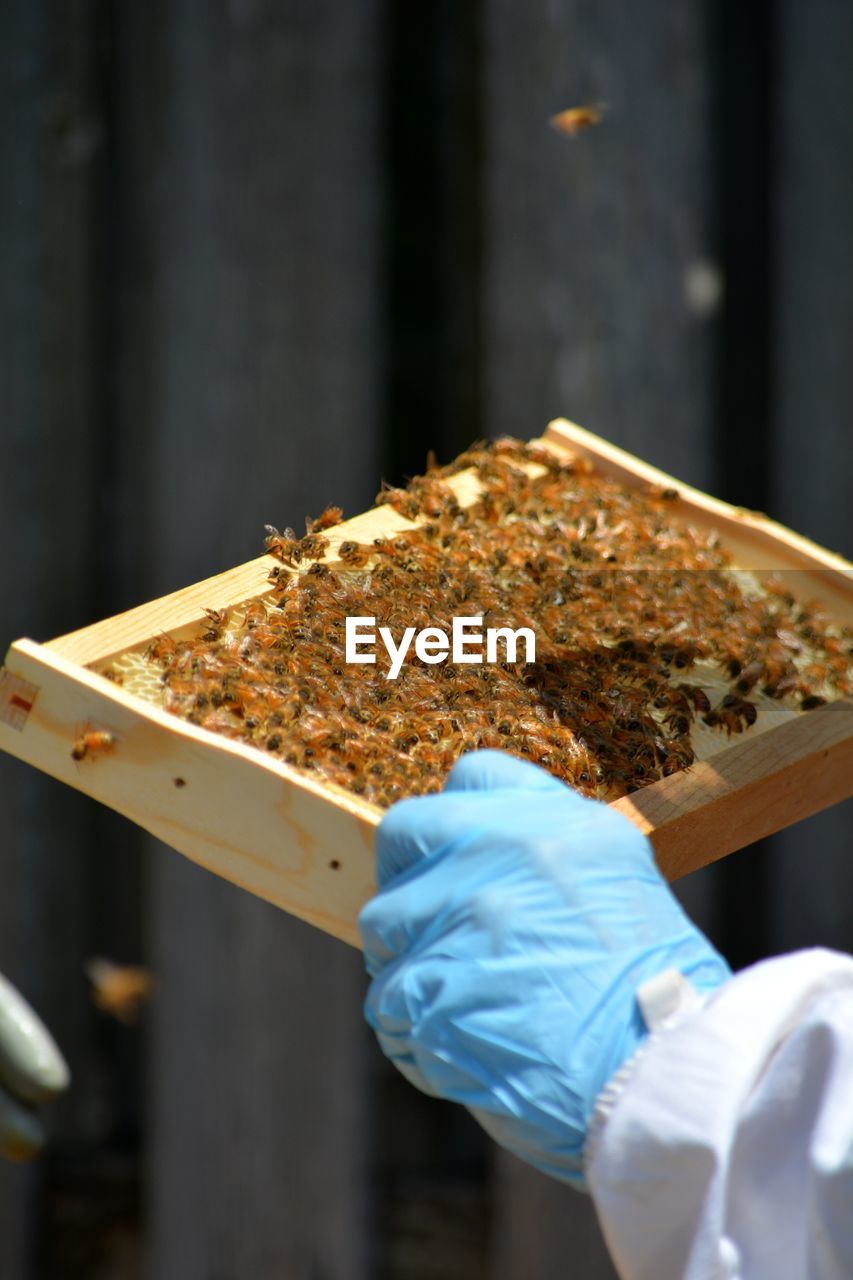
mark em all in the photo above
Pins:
pixel 575 120
pixel 749 676
pixel 433 496
pixel 163 649
pixel 733 714
pixel 90 743
pixel 353 554
pixel 218 619
pixel 405 504
pixel 283 544
pixel 313 546
pixel 697 696
pixel 255 614
pixel 279 576
pixel 777 686
pixel 326 520
pixel 119 989
pixel 223 721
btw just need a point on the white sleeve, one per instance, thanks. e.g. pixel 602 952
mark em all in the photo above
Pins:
pixel 724 1148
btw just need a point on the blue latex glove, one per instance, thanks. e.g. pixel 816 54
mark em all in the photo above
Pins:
pixel 514 922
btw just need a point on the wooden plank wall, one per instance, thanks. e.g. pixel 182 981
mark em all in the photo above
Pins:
pixel 256 137
pixel 811 888
pixel 256 254
pixel 53 882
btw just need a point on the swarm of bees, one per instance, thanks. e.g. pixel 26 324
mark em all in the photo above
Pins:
pixel 624 599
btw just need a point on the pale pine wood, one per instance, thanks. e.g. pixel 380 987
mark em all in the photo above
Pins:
pixel 307 846
pixel 747 791
pixel 242 815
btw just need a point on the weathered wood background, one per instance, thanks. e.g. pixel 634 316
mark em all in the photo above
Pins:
pixel 255 254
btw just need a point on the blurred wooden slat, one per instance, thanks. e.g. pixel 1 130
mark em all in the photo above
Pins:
pixel 253 243
pixel 49 134
pixel 813 290
pixel 812 465
pixel 21 789
pixel 599 304
pixel 543 1228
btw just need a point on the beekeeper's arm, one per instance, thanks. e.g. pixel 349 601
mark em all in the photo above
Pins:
pixel 529 961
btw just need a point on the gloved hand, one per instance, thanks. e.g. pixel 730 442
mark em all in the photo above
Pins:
pixel 514 922
pixel 32 1071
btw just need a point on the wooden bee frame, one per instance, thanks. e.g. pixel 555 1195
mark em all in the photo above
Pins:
pixel 307 846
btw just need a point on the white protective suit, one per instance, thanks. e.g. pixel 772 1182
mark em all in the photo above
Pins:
pixel 723 1150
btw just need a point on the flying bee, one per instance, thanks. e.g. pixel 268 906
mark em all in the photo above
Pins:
pixel 91 743
pixel 119 989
